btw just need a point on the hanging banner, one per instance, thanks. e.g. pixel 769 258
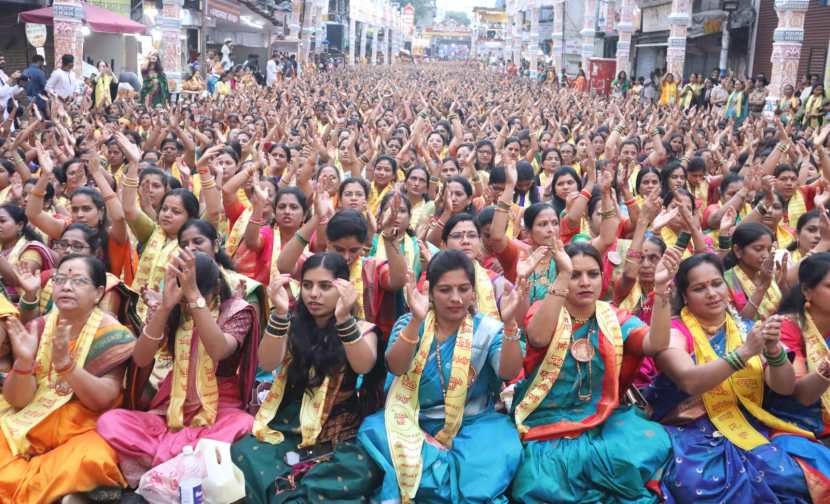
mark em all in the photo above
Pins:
pixel 36 34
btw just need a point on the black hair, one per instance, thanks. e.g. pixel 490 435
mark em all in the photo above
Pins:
pixel 353 180
pixel 18 215
pixel 317 352
pixel 346 223
pixel 8 166
pixel 784 167
pixel 642 173
pixel 208 279
pixel 485 216
pixel 745 234
pixel 446 261
pixel 671 195
pixel 665 175
pixel 60 171
pixel 454 221
pixel 488 167
pixel 207 230
pixel 586 249
pixel 681 279
pixel 189 201
pixel 97 270
pixel 811 271
pixel 48 193
pixel 93 239
pixel 294 191
pixel 422 168
pixel 154 170
pixel 696 164
pixel 391 161
pixel 728 180
pixel 468 190
pixel 559 203
pixel 524 171
pixel 802 221
pixel 655 239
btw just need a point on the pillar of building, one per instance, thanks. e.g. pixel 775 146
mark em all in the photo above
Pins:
pixel 625 28
pixel 363 28
pixel 786 47
pixel 170 24
pixel 387 52
pixel 533 41
pixel 558 35
pixel 588 33
pixel 679 20
pixel 373 58
pixel 517 41
pixel 69 38
pixel 351 39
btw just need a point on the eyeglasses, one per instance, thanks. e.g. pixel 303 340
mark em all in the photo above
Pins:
pixel 74 247
pixel 471 235
pixel 74 281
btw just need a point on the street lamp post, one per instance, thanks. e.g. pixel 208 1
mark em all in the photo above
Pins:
pixel 728 6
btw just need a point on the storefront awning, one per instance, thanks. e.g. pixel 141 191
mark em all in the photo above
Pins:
pixel 97 18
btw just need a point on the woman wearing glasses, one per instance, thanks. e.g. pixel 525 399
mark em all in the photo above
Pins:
pixel 68 371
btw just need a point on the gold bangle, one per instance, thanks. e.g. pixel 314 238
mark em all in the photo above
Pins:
pixel 405 340
pixel 558 292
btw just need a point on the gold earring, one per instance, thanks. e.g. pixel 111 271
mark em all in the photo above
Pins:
pixel 807 305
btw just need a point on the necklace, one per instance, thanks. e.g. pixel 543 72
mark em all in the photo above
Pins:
pixel 582 350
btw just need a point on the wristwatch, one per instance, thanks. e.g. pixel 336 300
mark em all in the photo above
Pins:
pixel 199 303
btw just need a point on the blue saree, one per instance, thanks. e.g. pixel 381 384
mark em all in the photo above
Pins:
pixel 460 474
pixel 707 467
pixel 593 451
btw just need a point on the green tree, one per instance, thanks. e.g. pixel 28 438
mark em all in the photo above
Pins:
pixel 459 17
pixel 424 10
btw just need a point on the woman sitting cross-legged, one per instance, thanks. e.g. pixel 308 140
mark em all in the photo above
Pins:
pixel 212 336
pixel 328 378
pixel 439 438
pixel 581 443
pixel 712 397
pixel 68 372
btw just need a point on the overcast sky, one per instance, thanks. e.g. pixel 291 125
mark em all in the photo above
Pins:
pixel 465 5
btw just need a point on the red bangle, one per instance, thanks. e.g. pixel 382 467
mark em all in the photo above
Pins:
pixel 68 369
pixel 17 370
pixel 634 254
pixel 630 202
pixel 585 194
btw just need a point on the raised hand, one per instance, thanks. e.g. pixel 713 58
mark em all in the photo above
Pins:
pixel 346 300
pixel 29 280
pixel 765 274
pixel 24 343
pixel 418 302
pixel 667 267
pixel 727 221
pixel 278 294
pixel 527 265
pixel 561 258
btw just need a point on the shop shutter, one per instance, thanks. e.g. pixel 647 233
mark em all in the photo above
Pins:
pixel 816 37
pixel 767 21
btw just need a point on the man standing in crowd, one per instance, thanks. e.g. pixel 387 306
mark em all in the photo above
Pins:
pixel 36 83
pixel 63 82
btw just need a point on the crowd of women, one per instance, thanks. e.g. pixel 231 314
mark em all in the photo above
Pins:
pixel 417 284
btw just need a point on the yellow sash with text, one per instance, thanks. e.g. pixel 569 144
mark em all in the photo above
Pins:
pixel 485 294
pixel 207 387
pixel 745 386
pixel 817 351
pixel 150 272
pixel 772 298
pixel 405 436
pixel 311 410
pixel 556 354
pixel 46 399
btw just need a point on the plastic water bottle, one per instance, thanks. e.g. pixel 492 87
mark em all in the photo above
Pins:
pixel 190 485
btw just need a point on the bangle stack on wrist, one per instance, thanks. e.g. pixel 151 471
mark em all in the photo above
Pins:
pixel 776 360
pixel 734 360
pixel 277 326
pixel 725 242
pixel 131 182
pixel 512 333
pixel 348 332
